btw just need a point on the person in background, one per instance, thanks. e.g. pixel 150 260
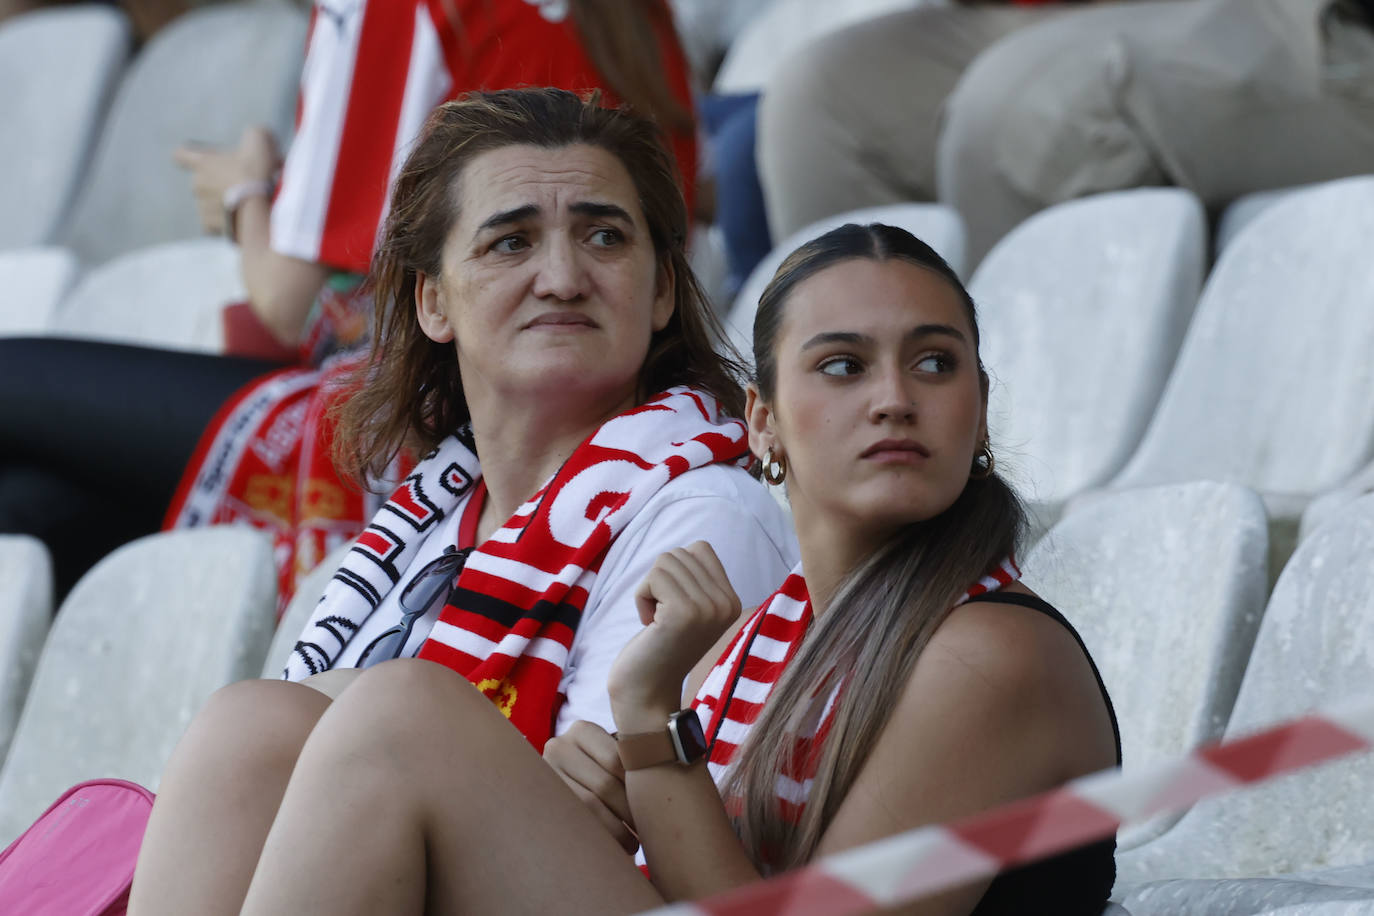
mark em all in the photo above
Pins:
pixel 1003 109
pixel 103 443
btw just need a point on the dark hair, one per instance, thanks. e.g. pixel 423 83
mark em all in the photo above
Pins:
pixel 903 591
pixel 410 391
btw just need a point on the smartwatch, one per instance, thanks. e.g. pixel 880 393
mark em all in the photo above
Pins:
pixel 682 741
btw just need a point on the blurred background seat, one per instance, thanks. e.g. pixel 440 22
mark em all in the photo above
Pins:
pixel 58 68
pixel 136 649
pixel 1081 309
pixel 34 280
pixel 207 76
pixel 1272 384
pixel 168 295
pixel 25 614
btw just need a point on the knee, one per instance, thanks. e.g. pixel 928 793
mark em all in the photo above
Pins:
pixel 253 726
pixel 396 701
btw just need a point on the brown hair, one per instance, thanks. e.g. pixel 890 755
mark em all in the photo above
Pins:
pixel 884 612
pixel 409 392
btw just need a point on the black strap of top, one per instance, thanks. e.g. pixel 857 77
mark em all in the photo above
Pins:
pixel 1036 603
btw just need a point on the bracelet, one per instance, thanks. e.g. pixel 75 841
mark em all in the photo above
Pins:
pixel 235 195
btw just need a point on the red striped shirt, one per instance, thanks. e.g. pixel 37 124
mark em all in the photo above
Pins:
pixel 375 69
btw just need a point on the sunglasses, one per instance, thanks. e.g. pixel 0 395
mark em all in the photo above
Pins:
pixel 439 575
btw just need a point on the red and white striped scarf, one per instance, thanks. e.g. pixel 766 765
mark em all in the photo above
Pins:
pixel 735 691
pixel 510 621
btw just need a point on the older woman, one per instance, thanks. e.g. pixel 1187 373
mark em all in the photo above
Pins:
pixel 900 676
pixel 541 340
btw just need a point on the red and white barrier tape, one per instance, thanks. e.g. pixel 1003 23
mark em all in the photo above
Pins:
pixel 911 865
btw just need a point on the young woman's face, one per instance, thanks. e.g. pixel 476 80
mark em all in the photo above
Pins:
pixel 549 285
pixel 878 407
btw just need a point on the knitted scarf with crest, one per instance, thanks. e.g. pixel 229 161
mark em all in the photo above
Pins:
pixel 510 621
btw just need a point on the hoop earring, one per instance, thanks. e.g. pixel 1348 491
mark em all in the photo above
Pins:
pixel 774 467
pixel 983 462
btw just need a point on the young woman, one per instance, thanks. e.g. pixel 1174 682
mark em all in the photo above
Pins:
pixel 542 343
pixel 905 678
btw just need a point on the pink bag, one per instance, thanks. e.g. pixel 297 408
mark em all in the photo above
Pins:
pixel 78 858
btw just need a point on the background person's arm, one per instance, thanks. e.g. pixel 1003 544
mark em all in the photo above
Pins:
pixel 281 289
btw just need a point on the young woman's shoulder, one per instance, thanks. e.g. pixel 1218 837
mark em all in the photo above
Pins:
pixel 1020 663
pixel 1001 704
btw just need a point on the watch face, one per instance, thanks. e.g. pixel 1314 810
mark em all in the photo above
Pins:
pixel 688 738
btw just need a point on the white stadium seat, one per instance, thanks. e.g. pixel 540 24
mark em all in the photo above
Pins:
pixel 25 614
pixel 140 643
pixel 1272 384
pixel 34 281
pixel 208 75
pixel 58 67
pixel 1082 308
pixel 1313 650
pixel 169 295
pixel 1166 586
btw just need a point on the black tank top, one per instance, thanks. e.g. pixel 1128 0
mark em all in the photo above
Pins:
pixel 1074 882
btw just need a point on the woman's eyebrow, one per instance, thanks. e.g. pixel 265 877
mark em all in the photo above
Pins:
pixel 948 330
pixel 855 339
pixel 833 337
pixel 506 217
pixel 599 210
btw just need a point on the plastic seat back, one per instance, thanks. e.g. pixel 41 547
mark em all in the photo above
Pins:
pixel 1082 308
pixel 1166 586
pixel 138 646
pixel 207 76
pixel 58 67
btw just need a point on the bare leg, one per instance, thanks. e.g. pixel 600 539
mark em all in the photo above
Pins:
pixel 218 796
pixel 852 119
pixel 414 795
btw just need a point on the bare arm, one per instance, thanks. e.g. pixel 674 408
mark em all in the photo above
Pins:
pixel 280 288
pixel 1000 705
pixel 687 605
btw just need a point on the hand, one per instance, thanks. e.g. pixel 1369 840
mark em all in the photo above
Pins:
pixel 686 603
pixel 586 758
pixel 214 171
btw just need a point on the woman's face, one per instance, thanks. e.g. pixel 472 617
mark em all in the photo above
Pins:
pixel 549 286
pixel 878 407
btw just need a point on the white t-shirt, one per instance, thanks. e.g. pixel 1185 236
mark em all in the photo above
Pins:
pixel 718 504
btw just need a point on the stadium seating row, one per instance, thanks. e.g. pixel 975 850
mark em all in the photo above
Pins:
pixel 87 160
pixel 1166 584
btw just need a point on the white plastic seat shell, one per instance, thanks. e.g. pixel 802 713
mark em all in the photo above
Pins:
pixel 25 615
pixel 1166 586
pixel 35 280
pixel 138 646
pixel 59 67
pixel 179 90
pixel 1082 309
pixel 170 295
pixel 1314 649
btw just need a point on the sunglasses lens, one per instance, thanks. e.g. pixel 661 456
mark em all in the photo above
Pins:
pixel 384 647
